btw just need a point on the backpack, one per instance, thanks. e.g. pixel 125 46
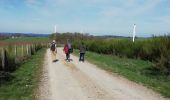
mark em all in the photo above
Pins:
pixel 66 49
pixel 69 46
pixel 53 46
pixel 71 50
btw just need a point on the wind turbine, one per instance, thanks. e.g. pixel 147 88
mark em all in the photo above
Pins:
pixel 81 32
pixel 134 32
pixel 55 29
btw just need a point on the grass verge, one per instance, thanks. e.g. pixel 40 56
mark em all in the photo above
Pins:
pixel 25 81
pixel 135 70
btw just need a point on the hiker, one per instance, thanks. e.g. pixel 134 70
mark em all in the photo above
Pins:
pixel 82 51
pixel 66 50
pixel 69 47
pixel 53 50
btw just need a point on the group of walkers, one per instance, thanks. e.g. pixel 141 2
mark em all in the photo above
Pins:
pixel 68 49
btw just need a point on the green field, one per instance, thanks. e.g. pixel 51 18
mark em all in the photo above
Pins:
pixel 28 39
pixel 25 79
pixel 133 69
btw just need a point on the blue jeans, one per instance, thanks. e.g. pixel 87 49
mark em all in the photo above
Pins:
pixel 81 57
pixel 67 56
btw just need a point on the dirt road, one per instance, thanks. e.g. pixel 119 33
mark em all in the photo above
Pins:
pixel 84 81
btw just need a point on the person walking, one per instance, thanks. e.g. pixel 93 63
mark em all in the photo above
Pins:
pixel 53 50
pixel 82 51
pixel 70 49
pixel 66 50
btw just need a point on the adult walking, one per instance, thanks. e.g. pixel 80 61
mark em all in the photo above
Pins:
pixel 70 48
pixel 53 50
pixel 82 51
pixel 66 50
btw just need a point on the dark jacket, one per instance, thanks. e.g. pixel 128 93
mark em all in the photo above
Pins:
pixel 82 49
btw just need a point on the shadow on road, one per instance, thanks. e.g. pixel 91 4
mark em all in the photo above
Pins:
pixel 56 60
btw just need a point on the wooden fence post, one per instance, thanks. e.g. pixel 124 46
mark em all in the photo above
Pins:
pixel 22 50
pixel 27 50
pixel 30 49
pixel 3 58
pixel 15 50
pixel 33 47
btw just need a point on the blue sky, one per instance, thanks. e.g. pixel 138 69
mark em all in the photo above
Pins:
pixel 99 17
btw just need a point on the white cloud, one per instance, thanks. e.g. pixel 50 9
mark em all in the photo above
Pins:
pixel 131 8
pixel 31 1
pixel 33 4
pixel 165 19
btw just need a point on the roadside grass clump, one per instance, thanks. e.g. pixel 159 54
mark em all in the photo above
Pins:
pixel 164 61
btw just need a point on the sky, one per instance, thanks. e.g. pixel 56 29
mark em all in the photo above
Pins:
pixel 97 17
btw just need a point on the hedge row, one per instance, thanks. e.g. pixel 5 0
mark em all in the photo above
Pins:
pixel 155 49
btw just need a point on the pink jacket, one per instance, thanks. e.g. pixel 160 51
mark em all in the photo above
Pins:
pixel 66 49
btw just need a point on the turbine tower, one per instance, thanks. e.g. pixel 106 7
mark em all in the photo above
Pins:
pixel 134 32
pixel 55 29
pixel 81 32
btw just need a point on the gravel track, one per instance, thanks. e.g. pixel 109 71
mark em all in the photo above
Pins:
pixel 84 81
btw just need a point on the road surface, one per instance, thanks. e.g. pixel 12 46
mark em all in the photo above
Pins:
pixel 84 81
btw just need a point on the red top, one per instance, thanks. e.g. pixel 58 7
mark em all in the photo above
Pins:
pixel 66 49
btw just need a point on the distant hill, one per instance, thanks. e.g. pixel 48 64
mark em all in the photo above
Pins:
pixel 120 37
pixel 5 34
pixel 111 36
